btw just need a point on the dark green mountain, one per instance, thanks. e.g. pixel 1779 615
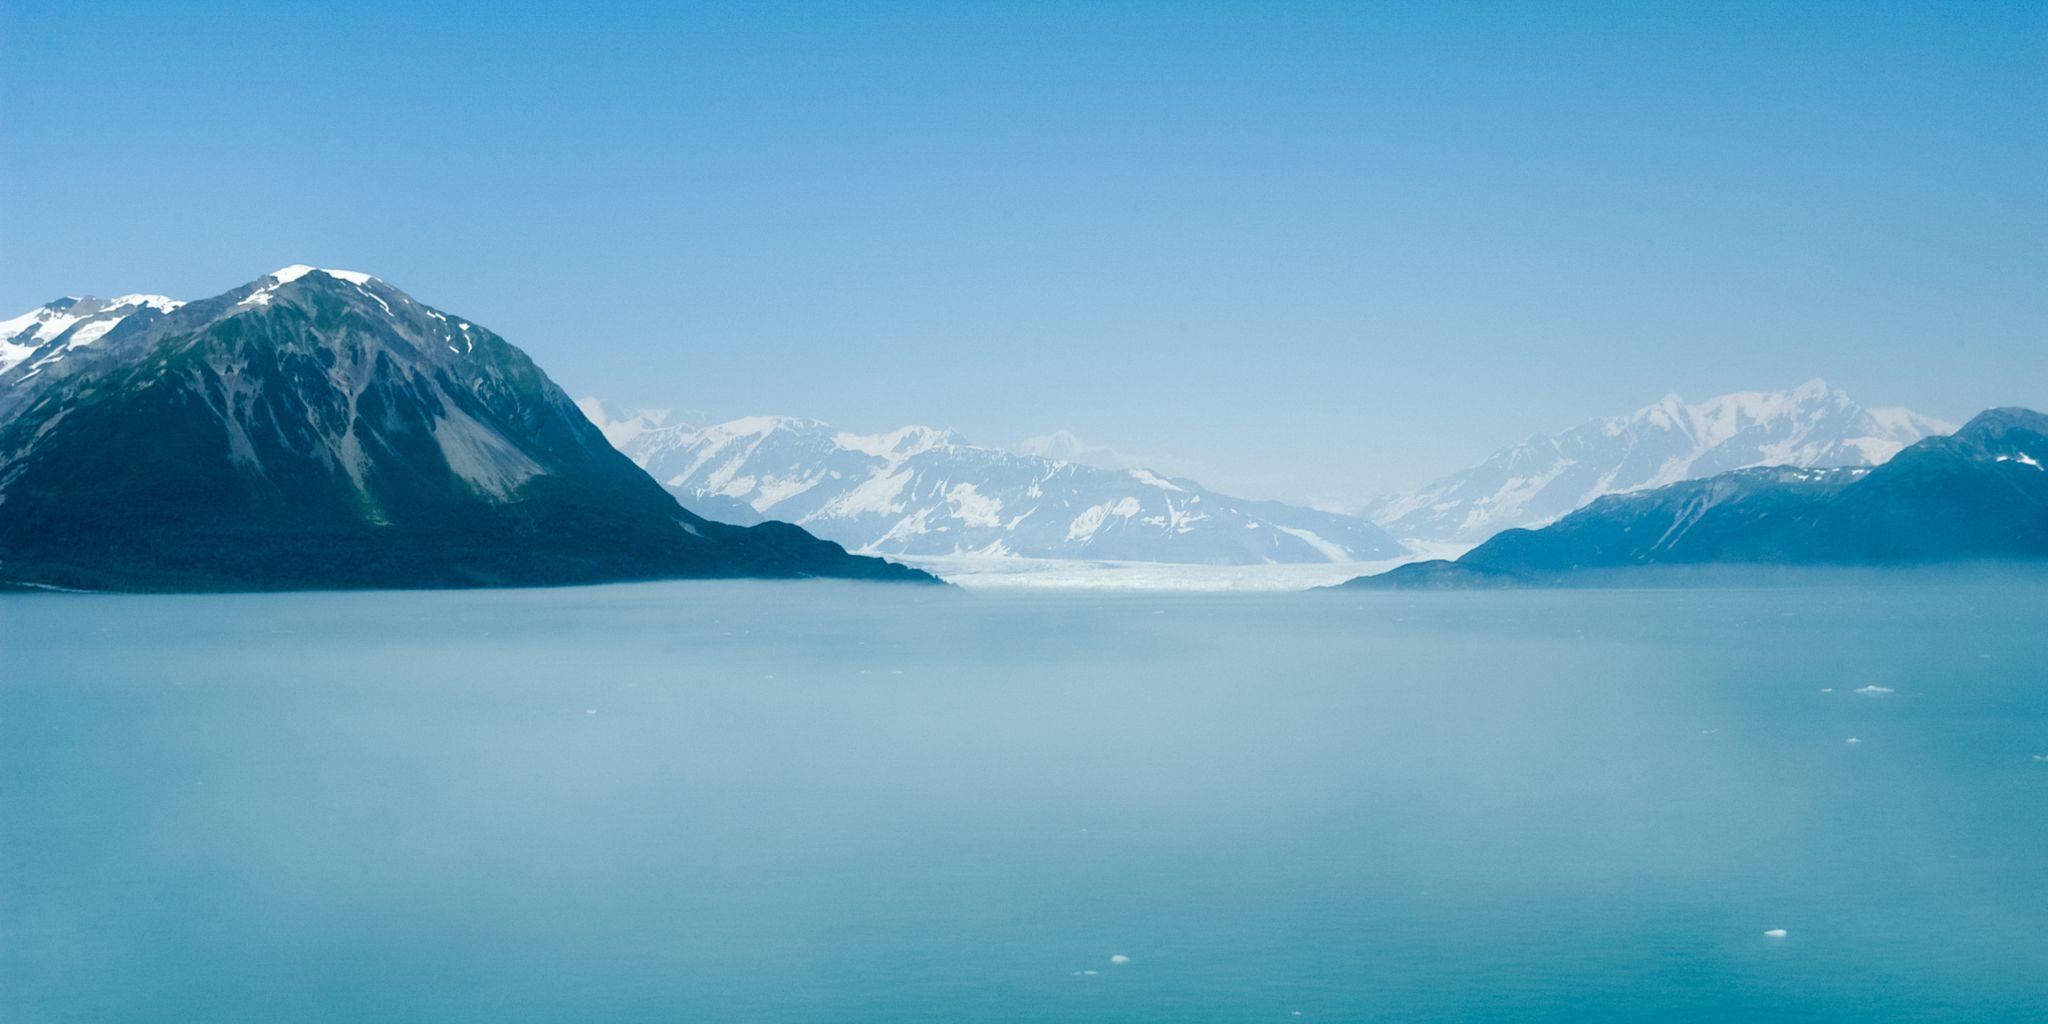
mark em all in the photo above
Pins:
pixel 321 429
pixel 1980 494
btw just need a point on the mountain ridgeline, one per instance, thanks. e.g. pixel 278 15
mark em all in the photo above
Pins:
pixel 1980 494
pixel 918 491
pixel 1812 426
pixel 321 429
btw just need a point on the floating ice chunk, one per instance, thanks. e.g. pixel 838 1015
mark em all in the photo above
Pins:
pixel 1827 689
pixel 590 711
pixel 1775 933
pixel 1874 689
pixel 1852 739
pixel 1119 959
pixel 1089 973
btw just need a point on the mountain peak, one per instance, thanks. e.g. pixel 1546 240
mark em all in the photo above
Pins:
pixel 1992 427
pixel 286 275
pixel 320 428
pixel 898 444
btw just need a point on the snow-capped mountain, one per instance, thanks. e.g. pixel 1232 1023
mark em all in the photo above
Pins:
pixel 1977 495
pixel 920 491
pixel 1811 426
pixel 85 320
pixel 320 428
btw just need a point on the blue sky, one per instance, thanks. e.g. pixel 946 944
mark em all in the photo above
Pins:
pixel 1317 250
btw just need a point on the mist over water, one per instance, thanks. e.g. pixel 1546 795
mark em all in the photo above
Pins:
pixel 827 802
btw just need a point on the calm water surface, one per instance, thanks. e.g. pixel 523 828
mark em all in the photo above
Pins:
pixel 823 802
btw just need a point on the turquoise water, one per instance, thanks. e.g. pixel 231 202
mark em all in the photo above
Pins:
pixel 821 802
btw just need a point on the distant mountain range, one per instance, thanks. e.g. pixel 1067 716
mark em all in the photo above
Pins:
pixel 1812 426
pixel 919 491
pixel 1979 494
pixel 320 428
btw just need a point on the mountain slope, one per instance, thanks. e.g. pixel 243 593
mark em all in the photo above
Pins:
pixel 1811 426
pixel 320 428
pixel 1979 494
pixel 919 491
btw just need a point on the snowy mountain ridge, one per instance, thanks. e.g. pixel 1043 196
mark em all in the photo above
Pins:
pixel 1810 426
pixel 920 490
pixel 78 320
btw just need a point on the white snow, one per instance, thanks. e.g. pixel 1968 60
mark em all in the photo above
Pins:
pixel 774 491
pixel 974 508
pixel 38 326
pixel 621 430
pixel 1328 550
pixel 1528 485
pixel 896 445
pixel 920 490
pixel 373 297
pixel 1010 573
pixel 160 303
pixel 94 331
pixel 876 495
pixel 1093 517
pixel 286 275
pixel 1150 479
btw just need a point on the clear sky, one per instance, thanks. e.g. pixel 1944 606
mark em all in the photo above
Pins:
pixel 1318 250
